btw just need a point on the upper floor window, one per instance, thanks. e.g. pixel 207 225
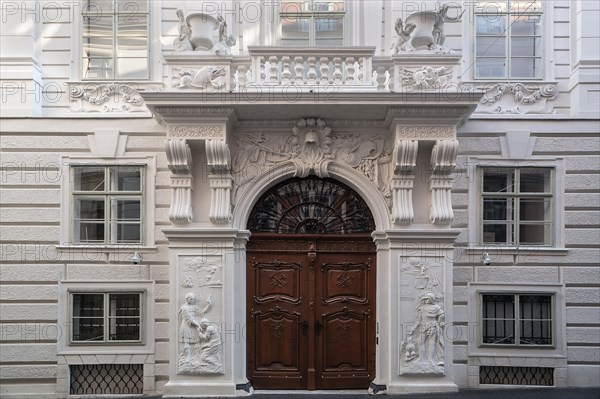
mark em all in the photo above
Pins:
pixel 516 206
pixel 312 22
pixel 107 204
pixel 508 39
pixel 115 42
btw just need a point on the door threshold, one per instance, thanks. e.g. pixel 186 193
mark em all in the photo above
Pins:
pixel 315 392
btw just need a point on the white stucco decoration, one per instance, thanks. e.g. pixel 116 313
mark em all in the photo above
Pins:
pixel 200 340
pixel 443 162
pixel 404 162
pixel 179 158
pixel 423 31
pixel 422 352
pixel 196 33
pixel 518 98
pixel 221 182
pixel 208 78
pixel 312 148
pixel 426 77
pixel 108 97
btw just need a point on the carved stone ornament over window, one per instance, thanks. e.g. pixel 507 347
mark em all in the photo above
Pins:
pixel 426 77
pixel 107 97
pixel 518 98
pixel 311 206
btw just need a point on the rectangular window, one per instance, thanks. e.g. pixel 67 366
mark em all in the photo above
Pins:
pixel 115 39
pixel 312 23
pixel 508 39
pixel 516 206
pixel 516 319
pixel 107 204
pixel 106 317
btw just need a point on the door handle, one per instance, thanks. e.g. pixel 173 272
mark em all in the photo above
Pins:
pixel 304 327
pixel 318 327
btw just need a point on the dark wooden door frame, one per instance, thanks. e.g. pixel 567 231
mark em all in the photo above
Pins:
pixel 299 256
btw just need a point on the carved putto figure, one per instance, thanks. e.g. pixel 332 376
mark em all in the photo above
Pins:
pixel 182 42
pixel 201 352
pixel 427 77
pixel 424 31
pixel 403 34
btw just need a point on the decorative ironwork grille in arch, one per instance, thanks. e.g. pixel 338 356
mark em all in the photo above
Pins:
pixel 311 206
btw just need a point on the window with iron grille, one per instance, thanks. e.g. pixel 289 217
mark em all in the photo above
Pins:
pixel 516 319
pixel 102 379
pixel 115 39
pixel 516 206
pixel 107 204
pixel 508 39
pixel 312 22
pixel 106 317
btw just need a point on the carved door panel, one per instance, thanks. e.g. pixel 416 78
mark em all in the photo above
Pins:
pixel 276 336
pixel 311 313
pixel 345 347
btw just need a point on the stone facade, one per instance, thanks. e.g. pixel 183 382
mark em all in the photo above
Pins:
pixel 395 113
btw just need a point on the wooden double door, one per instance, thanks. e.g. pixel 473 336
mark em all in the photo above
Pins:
pixel 310 311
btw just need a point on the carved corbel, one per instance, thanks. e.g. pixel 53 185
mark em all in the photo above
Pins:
pixel 179 158
pixel 443 162
pixel 405 161
pixel 221 183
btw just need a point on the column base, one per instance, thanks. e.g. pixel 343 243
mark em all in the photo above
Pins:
pixel 421 386
pixel 198 389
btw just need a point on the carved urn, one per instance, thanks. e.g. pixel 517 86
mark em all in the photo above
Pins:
pixel 202 26
pixel 422 37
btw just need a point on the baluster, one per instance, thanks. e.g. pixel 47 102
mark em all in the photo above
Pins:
pixel 273 69
pixel 381 70
pixel 263 70
pixel 242 77
pixel 361 71
pixel 391 79
pixel 286 74
pixel 311 75
pixel 337 70
pixel 350 69
pixel 298 69
pixel 324 69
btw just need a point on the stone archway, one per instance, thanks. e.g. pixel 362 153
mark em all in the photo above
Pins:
pixel 311 288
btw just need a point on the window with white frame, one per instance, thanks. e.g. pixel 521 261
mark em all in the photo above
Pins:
pixel 508 39
pixel 312 22
pixel 516 205
pixel 516 319
pixel 115 39
pixel 107 204
pixel 106 317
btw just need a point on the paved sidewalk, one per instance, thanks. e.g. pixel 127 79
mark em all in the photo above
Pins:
pixel 498 393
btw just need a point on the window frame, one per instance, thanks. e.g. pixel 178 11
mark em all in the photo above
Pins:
pixel 108 196
pixel 517 319
pixel 106 318
pixel 145 346
pixel 516 196
pixel 147 211
pixel 543 35
pixel 475 224
pixel 311 15
pixel 475 346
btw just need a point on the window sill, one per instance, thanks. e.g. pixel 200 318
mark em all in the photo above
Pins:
pixel 108 248
pixel 548 251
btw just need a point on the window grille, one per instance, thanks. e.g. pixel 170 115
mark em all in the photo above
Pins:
pixel 100 379
pixel 502 375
